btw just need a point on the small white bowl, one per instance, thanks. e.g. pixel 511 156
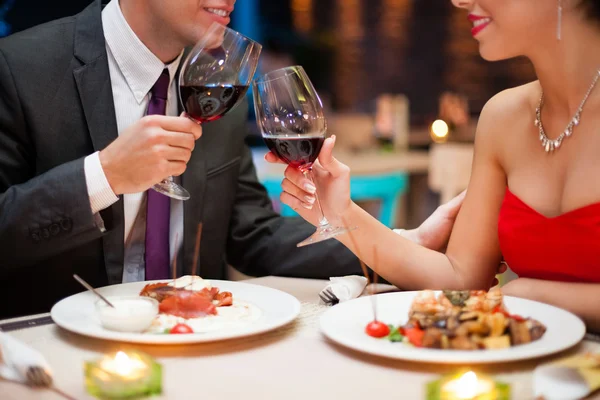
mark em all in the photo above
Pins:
pixel 131 313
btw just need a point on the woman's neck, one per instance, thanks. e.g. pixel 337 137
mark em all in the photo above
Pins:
pixel 567 68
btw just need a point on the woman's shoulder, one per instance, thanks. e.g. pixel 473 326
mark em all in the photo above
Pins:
pixel 512 103
pixel 508 111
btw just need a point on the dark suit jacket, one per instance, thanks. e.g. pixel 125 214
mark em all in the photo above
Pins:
pixel 56 107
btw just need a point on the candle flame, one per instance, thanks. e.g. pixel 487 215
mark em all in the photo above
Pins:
pixel 466 386
pixel 123 365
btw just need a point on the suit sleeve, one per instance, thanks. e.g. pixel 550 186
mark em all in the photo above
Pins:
pixel 40 215
pixel 261 242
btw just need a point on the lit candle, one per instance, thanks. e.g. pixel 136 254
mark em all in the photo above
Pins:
pixel 467 387
pixel 123 375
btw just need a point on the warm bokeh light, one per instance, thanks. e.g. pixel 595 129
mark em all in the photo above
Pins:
pixel 302 15
pixel 439 130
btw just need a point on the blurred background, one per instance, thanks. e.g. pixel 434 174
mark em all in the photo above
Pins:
pixel 402 82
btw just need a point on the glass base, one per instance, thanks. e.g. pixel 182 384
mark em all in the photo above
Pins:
pixel 323 233
pixel 171 189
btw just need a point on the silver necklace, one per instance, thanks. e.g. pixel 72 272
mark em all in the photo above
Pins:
pixel 548 144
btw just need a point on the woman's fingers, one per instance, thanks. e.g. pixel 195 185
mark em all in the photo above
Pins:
pixel 328 162
pixel 303 198
pixel 300 180
pixel 273 159
pixel 294 202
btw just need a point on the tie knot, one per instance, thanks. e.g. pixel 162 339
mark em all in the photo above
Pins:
pixel 161 87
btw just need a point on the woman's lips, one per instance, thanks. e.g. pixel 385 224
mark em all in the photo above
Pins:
pixel 479 23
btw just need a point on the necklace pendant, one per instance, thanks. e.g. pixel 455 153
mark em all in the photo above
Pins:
pixel 557 143
pixel 568 131
pixel 547 146
pixel 576 120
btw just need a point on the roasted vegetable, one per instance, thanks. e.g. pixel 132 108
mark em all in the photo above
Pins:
pixel 497 342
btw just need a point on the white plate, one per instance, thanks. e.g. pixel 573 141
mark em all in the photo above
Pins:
pixel 77 314
pixel 345 324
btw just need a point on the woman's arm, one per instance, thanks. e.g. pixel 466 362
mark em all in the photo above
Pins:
pixel 582 299
pixel 473 253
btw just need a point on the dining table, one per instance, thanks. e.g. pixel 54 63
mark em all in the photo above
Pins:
pixel 295 361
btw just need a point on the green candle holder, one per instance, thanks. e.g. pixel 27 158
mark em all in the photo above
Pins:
pixel 123 375
pixel 467 386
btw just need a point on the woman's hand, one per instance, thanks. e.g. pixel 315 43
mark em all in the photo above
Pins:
pixel 332 179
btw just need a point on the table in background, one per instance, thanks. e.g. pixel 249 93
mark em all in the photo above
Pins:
pixel 369 169
pixel 294 362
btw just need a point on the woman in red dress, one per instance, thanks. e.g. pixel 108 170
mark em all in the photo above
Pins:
pixel 533 196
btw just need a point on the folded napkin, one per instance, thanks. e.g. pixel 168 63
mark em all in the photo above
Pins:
pixel 16 358
pixel 571 378
pixel 347 287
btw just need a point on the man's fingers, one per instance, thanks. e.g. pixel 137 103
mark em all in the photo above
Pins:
pixel 176 168
pixel 174 124
pixel 451 208
pixel 177 154
pixel 502 268
pixel 181 139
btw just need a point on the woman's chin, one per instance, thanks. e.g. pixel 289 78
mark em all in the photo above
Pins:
pixel 493 54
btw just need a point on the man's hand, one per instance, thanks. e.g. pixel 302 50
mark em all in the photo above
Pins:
pixel 150 150
pixel 434 233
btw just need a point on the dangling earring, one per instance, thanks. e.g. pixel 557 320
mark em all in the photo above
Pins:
pixel 559 25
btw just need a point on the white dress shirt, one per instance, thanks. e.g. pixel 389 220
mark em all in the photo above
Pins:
pixel 134 69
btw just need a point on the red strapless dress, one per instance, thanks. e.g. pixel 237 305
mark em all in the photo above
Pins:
pixel 563 248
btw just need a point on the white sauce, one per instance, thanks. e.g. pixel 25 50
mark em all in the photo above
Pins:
pixel 130 314
pixel 238 315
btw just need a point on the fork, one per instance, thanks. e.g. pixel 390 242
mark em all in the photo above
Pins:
pixel 328 297
pixel 37 377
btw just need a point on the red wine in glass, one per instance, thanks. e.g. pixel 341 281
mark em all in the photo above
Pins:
pixel 206 103
pixel 299 152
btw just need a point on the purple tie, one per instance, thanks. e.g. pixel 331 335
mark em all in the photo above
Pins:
pixel 159 205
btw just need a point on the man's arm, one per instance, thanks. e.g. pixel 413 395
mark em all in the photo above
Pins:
pixel 40 216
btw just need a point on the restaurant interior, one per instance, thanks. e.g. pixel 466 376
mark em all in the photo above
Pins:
pixel 402 85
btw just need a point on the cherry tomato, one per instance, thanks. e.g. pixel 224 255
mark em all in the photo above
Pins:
pixel 415 336
pixel 181 328
pixel 499 309
pixel 377 329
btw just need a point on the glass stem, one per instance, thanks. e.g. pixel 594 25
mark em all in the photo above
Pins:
pixel 308 173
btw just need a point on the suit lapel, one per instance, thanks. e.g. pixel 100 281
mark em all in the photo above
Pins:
pixel 94 86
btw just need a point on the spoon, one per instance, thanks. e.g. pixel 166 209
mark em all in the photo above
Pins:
pixel 88 287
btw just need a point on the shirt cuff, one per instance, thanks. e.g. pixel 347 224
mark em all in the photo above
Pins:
pixel 99 190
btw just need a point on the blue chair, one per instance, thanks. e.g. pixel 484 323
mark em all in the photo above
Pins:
pixel 386 188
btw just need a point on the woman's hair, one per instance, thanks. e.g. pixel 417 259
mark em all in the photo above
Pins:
pixel 592 9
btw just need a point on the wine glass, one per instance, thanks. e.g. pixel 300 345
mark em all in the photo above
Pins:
pixel 289 114
pixel 214 78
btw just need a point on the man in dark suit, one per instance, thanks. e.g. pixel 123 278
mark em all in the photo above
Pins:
pixel 78 159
